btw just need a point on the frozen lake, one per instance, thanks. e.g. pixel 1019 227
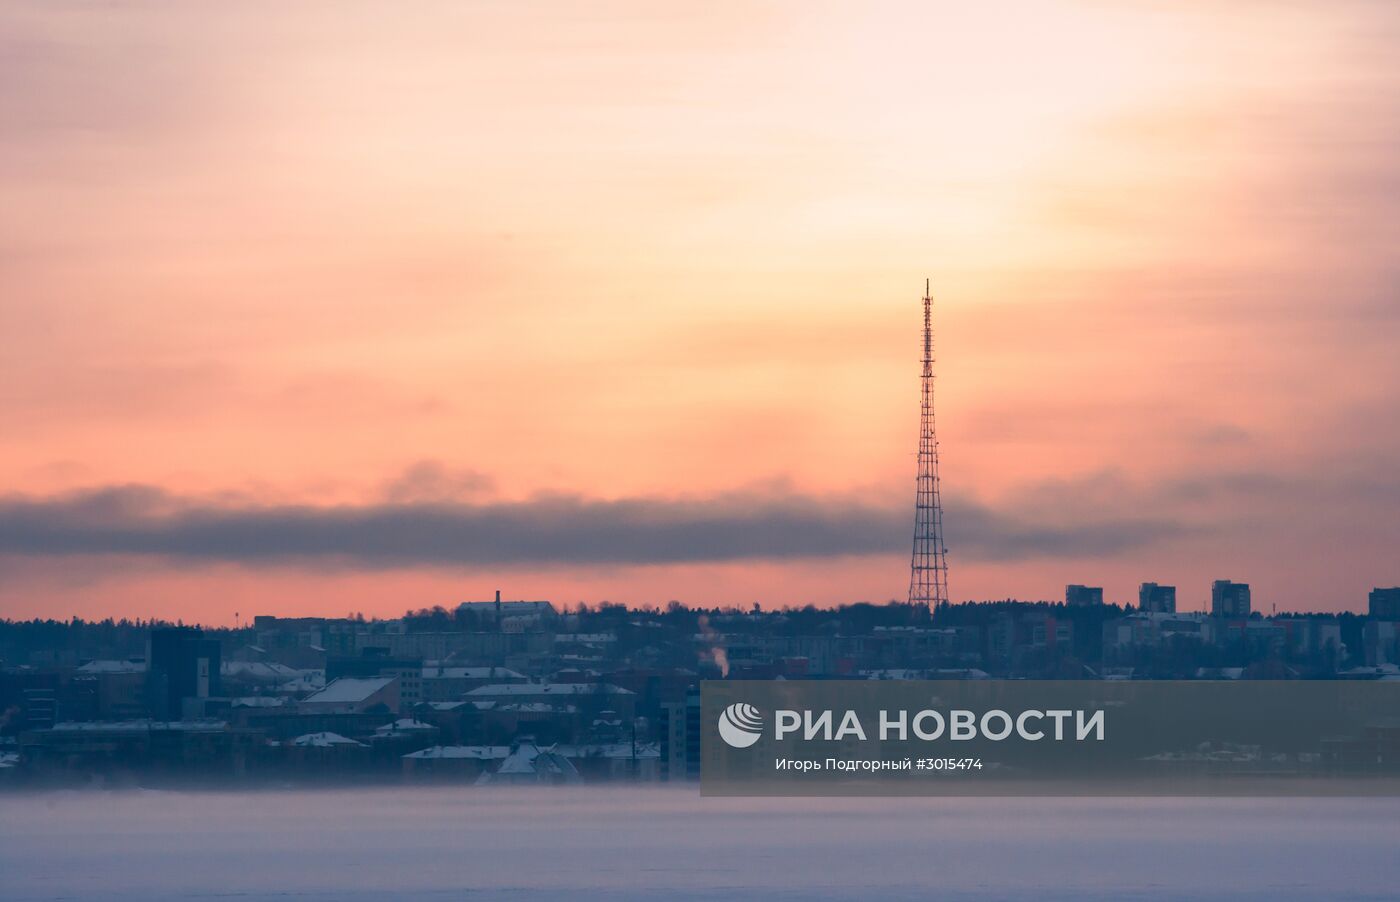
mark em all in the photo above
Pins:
pixel 643 844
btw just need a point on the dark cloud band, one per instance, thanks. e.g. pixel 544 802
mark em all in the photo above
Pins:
pixel 144 521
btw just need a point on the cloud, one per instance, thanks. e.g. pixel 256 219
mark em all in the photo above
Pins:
pixel 984 534
pixel 145 521
pixel 434 481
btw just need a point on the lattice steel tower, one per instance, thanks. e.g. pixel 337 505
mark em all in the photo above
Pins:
pixel 928 568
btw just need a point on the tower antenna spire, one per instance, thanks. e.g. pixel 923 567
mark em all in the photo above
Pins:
pixel 928 567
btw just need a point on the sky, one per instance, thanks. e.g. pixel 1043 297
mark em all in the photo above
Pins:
pixel 363 307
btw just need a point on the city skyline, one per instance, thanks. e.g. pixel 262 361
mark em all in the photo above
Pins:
pixel 625 450
pixel 272 335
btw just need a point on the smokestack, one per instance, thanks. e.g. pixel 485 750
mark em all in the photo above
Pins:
pixel 498 610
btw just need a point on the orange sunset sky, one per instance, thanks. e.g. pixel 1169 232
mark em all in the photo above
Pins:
pixel 318 308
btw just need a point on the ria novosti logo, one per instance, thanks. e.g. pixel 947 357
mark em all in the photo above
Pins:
pixel 740 725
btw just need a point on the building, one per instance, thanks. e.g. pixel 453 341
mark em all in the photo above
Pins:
pixel 1155 599
pixel 1229 600
pixel 183 671
pixel 305 641
pixel 1313 638
pixel 585 696
pixel 288 721
pixel 528 764
pixel 507 616
pixel 445 683
pixel 1380 641
pixel 546 722
pixel 506 649
pixel 351 695
pixel 463 763
pixel 1385 604
pixel 1083 596
pixel 406 726
pixel 40 707
pixel 170 749
pixel 1027 640
pixel 323 740
pixel 119 687
pixel 28 699
pixel 601 761
pixel 593 762
pixel 680 738
pixel 1257 638
pixel 1153 628
pixel 325 755
pixel 377 662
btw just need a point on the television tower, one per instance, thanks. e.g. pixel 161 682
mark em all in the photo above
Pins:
pixel 928 568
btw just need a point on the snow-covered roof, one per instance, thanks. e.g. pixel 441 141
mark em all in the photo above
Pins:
pixel 964 673
pixel 521 760
pixel 309 680
pixel 1380 671
pixel 1184 616
pixel 509 608
pixel 323 740
pixel 610 750
pixel 137 726
pixel 258 670
pixel 527 752
pixel 348 690
pixel 404 725
pixel 477 752
pixel 892 673
pixel 1219 673
pixel 439 672
pixel 125 666
pixel 527 763
pixel 538 689
pixel 258 701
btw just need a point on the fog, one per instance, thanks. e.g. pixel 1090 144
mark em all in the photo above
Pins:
pixel 641 844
